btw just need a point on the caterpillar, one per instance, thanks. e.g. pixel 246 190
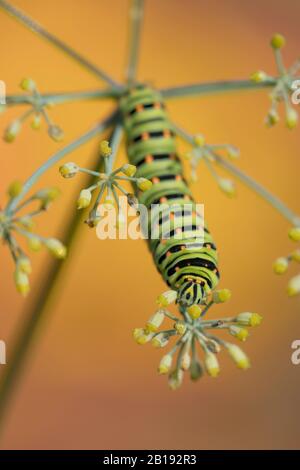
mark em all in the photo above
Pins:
pixel 187 266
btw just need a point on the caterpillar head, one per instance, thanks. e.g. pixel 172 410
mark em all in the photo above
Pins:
pixel 190 293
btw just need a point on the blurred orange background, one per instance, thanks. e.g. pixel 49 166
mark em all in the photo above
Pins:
pixel 86 383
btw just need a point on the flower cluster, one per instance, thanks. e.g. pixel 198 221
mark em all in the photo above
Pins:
pixel 13 223
pixel 191 330
pixel 283 85
pixel 281 264
pixel 106 186
pixel 37 111
pixel 209 153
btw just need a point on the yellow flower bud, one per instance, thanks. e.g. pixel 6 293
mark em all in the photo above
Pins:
pixel 239 333
pixel 166 298
pixel 160 340
pixel 280 265
pixel 238 355
pixel 296 255
pixel 34 243
pixel 196 370
pixel 194 311
pixel 144 184
pixel 272 118
pixel 141 336
pixel 84 199
pixel 12 131
pixel 278 41
pixel 233 152
pixel 22 282
pixel 68 170
pixel 56 133
pixel 27 84
pixel 155 321
pixel 14 189
pixel 294 286
pixel 47 195
pixel 249 319
pixel 26 222
pixel 258 76
pixel 105 149
pixel 186 361
pixel 56 248
pixel 222 295
pixel 294 234
pixel 36 122
pixel 128 169
pixel 199 140
pixel 24 264
pixel 175 379
pixel 227 186
pixel 212 364
pixel 291 119
pixel 213 346
pixel 165 364
pixel 180 327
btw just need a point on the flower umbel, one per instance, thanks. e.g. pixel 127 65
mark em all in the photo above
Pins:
pixel 13 224
pixel 36 112
pixel 209 153
pixel 107 185
pixel 191 330
pixel 283 87
pixel 281 265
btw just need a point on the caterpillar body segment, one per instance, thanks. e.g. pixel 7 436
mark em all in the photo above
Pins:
pixel 185 257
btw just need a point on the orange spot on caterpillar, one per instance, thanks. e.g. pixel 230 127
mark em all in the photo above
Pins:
pixel 155 180
pixel 139 108
pixel 145 136
pixel 149 158
pixel 162 200
pixel 167 133
pixel 156 106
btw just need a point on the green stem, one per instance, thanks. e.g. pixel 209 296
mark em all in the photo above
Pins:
pixel 96 130
pixel 136 13
pixel 274 201
pixel 41 31
pixel 40 307
pixel 208 88
pixel 115 144
pixel 64 97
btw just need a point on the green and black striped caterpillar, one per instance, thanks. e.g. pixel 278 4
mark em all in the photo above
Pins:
pixel 187 266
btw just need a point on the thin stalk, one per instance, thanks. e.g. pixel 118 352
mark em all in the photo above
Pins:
pixel 41 31
pixel 199 89
pixel 39 308
pixel 274 201
pixel 136 17
pixel 115 143
pixel 63 97
pixel 96 130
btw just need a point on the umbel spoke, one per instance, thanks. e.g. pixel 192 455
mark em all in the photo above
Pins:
pixel 136 17
pixel 41 31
